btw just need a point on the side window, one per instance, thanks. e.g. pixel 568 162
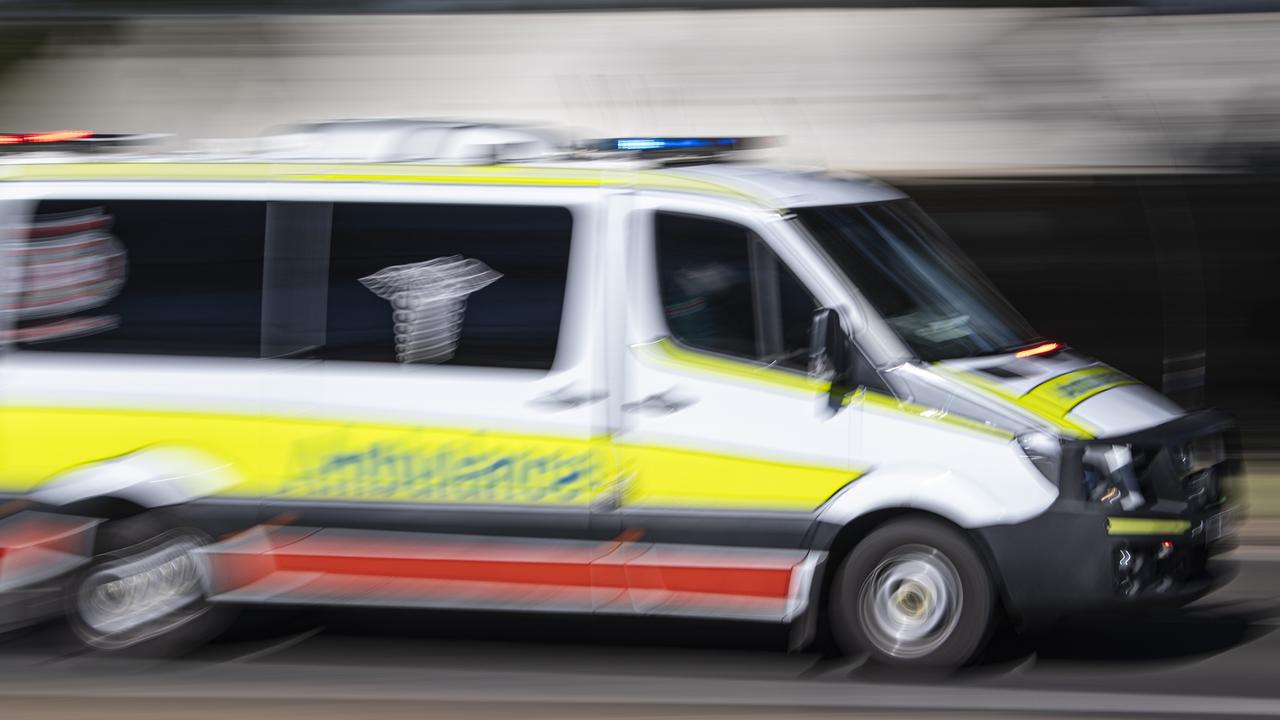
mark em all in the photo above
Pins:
pixel 725 292
pixel 165 277
pixel 795 310
pixel 460 284
pixel 704 273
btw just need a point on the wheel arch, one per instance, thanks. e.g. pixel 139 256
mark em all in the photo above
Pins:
pixel 105 507
pixel 841 542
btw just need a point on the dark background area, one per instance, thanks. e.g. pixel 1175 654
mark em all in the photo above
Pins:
pixel 1136 268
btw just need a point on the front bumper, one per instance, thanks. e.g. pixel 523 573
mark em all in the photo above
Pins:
pixel 1080 556
pixel 1073 560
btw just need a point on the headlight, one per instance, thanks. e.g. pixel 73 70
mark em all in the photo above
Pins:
pixel 1109 477
pixel 1045 452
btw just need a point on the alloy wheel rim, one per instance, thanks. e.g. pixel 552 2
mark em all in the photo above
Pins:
pixel 910 603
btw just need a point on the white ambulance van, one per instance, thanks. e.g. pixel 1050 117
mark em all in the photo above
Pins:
pixel 450 365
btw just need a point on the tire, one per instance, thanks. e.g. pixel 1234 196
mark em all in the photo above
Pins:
pixel 144 590
pixel 913 593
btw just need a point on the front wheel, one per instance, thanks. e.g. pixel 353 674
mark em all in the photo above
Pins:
pixel 914 593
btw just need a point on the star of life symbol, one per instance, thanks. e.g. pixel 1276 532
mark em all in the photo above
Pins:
pixel 428 300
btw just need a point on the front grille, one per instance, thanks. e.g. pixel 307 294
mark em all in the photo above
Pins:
pixel 1190 464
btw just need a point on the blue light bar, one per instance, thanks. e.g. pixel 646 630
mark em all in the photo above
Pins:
pixel 676 145
pixel 672 143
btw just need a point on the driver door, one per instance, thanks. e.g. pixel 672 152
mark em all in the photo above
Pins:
pixel 725 442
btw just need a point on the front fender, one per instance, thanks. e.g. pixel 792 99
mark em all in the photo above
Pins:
pixel 1003 497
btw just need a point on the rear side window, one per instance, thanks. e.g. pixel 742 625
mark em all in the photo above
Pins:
pixel 724 291
pixel 166 277
pixel 477 285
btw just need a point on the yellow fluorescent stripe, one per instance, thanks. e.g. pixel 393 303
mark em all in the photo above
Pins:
pixel 398 173
pixel 1065 392
pixel 446 179
pixel 308 458
pixel 1043 408
pixel 666 351
pixel 762 462
pixel 875 400
pixel 1146 526
pixel 304 458
pixel 689 479
pixel 652 180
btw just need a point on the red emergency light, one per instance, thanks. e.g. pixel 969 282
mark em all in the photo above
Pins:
pixel 54 136
pixel 1041 349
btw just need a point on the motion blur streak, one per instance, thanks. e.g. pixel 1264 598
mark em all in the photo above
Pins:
pixel 873 90
pixel 611 389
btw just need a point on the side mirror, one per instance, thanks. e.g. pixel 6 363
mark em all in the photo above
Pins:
pixel 830 354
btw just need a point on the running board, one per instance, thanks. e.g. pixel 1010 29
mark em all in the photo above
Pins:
pixel 299 566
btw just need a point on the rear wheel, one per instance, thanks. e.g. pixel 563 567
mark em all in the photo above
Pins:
pixel 145 588
pixel 914 592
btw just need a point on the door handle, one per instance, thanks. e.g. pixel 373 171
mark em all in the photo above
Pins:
pixel 659 403
pixel 566 398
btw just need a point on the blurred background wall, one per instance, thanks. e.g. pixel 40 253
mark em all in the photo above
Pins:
pixel 868 88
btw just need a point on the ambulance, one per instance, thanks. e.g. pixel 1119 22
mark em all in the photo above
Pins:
pixel 451 365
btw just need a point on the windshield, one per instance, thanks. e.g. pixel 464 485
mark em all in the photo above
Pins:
pixel 917 279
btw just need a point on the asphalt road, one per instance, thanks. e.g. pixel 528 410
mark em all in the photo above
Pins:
pixel 1218 657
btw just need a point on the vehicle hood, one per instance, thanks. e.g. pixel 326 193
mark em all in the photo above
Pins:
pixel 1068 392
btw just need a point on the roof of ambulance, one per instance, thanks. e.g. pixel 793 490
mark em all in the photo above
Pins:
pixel 784 188
pixel 766 186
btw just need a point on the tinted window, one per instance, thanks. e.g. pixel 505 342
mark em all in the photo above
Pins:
pixel 795 307
pixel 140 276
pixel 917 279
pixel 475 285
pixel 704 270
pixel 724 291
